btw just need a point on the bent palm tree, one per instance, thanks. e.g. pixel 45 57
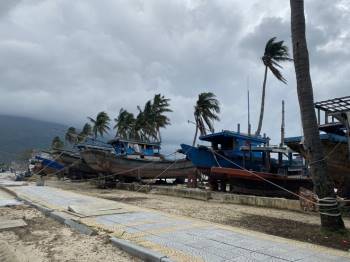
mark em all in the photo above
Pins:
pixel 145 124
pixel 205 112
pixel 85 132
pixel 57 143
pixel 71 135
pixel 160 106
pixel 275 52
pixel 323 184
pixel 100 124
pixel 124 124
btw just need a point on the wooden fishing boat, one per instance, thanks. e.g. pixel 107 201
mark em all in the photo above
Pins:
pixel 336 149
pixel 134 160
pixel 76 167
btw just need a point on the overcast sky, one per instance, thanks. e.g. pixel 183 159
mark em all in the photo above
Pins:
pixel 64 60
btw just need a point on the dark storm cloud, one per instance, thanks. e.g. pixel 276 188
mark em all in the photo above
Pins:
pixel 66 60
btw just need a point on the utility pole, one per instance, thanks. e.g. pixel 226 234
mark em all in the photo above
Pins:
pixel 249 126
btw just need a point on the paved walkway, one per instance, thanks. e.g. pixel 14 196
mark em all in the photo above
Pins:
pixel 179 238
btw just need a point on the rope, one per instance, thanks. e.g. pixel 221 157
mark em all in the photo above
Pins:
pixel 216 160
pixel 330 202
pixel 323 159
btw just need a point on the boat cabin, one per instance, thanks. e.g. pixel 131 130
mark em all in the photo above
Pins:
pixel 231 142
pixel 136 149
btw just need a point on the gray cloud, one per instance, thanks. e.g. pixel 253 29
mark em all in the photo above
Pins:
pixel 66 60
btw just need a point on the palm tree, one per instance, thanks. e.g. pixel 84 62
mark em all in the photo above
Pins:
pixel 124 124
pixel 275 52
pixel 85 132
pixel 145 125
pixel 57 143
pixel 71 135
pixel 205 112
pixel 160 106
pixel 323 184
pixel 100 124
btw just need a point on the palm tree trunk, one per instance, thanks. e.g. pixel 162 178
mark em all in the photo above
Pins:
pixel 261 117
pixel 323 184
pixel 195 136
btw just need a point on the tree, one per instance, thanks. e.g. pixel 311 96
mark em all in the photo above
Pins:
pixel 160 107
pixel 124 124
pixel 100 124
pixel 205 112
pixel 145 126
pixel 57 143
pixel 275 52
pixel 85 132
pixel 71 135
pixel 323 184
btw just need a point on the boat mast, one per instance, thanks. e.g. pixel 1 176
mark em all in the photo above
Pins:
pixel 282 126
pixel 249 126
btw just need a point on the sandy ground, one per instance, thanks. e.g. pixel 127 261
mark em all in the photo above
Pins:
pixel 284 223
pixel 44 239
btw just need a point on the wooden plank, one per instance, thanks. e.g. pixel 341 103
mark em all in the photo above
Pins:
pixel 6 224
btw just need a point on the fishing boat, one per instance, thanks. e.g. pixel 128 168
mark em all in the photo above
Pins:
pixel 44 164
pixel 333 118
pixel 246 164
pixel 76 167
pixel 131 160
pixel 338 163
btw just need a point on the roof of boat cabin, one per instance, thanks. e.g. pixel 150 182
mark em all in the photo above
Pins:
pixel 226 134
pixel 117 139
pixel 90 142
pixel 330 137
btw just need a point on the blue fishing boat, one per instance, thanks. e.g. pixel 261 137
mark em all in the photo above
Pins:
pixel 246 164
pixel 225 148
pixel 44 164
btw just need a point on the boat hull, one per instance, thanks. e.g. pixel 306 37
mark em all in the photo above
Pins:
pixel 259 183
pixel 338 162
pixel 76 166
pixel 204 159
pixel 107 162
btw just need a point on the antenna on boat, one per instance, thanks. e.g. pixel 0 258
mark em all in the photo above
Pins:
pixel 282 125
pixel 249 126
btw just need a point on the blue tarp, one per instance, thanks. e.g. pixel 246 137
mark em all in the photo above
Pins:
pixel 50 163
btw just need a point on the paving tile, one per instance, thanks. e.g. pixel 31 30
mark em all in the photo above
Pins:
pixel 194 238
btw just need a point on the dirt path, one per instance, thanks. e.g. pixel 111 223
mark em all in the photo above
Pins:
pixel 284 223
pixel 44 239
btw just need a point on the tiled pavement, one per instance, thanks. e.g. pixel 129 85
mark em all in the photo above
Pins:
pixel 179 238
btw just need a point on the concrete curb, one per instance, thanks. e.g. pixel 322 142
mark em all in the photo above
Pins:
pixel 81 228
pixel 9 191
pixel 46 211
pixel 138 251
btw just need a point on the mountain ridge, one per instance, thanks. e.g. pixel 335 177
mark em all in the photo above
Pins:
pixel 18 134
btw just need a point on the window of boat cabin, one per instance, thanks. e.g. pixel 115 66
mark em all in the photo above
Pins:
pixel 227 144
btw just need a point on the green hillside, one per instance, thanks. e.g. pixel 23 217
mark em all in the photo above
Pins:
pixel 18 134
